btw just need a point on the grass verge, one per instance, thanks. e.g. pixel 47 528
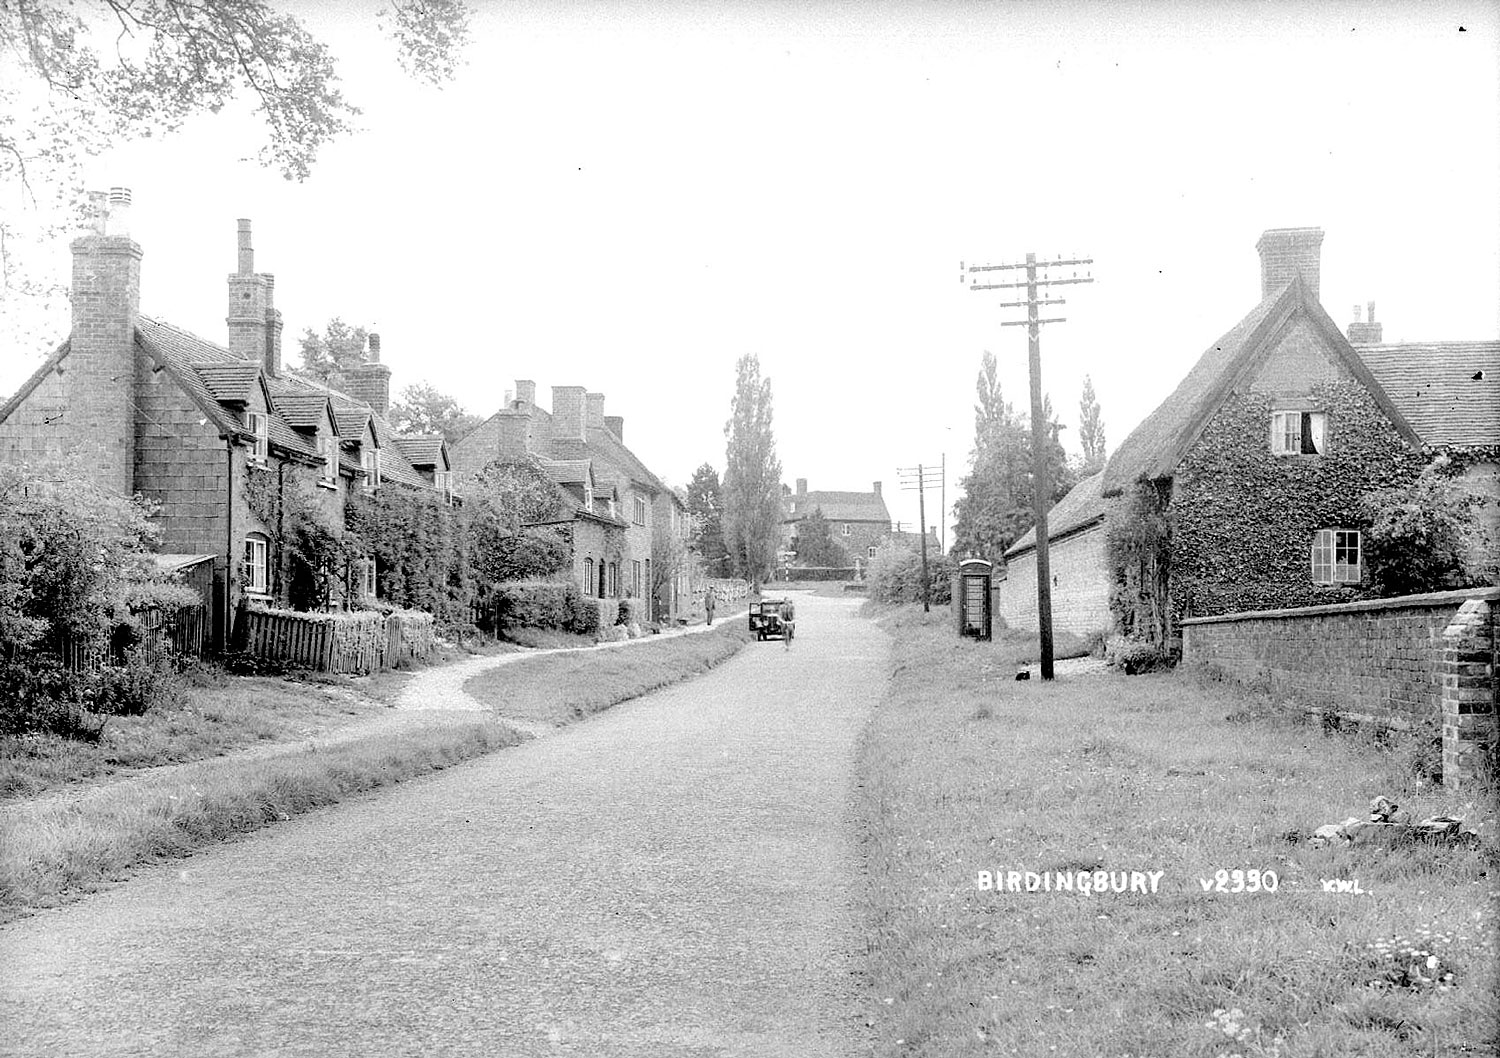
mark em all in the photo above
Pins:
pixel 215 714
pixel 59 848
pixel 965 770
pixel 560 688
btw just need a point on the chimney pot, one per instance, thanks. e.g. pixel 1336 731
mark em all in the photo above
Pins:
pixel 1371 313
pixel 117 220
pixel 374 343
pixel 246 251
pixel 1356 313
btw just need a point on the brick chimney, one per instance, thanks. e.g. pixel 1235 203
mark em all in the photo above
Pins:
pixel 877 488
pixel 616 425
pixel 99 373
pixel 526 391
pixel 371 380
pixel 1286 252
pixel 801 486
pixel 569 414
pixel 516 433
pixel 1367 333
pixel 594 408
pixel 251 298
pixel 273 330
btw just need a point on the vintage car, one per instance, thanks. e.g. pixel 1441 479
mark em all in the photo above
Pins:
pixel 765 618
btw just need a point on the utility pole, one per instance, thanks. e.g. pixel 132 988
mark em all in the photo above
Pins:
pixel 1041 487
pixel 915 478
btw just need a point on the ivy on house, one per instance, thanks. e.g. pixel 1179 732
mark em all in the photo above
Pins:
pixel 313 559
pixel 421 550
pixel 1138 546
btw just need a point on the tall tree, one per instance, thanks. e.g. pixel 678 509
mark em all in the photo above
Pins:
pixel 994 507
pixel 815 543
pixel 752 476
pixel 83 75
pixel 423 409
pixel 706 509
pixel 1090 429
pixel 330 355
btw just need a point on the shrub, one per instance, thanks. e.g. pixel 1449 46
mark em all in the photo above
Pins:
pixel 1426 536
pixel 1132 656
pixel 895 576
pixel 609 614
pixel 136 687
pixel 539 604
pixel 632 611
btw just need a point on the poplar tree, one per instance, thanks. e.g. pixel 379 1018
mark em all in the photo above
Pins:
pixel 752 476
pixel 1090 429
pixel 705 507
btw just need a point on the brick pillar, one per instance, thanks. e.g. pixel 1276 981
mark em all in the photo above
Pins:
pixel 1469 705
pixel 99 372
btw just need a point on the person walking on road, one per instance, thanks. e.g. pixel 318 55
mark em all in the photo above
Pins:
pixel 788 617
pixel 709 597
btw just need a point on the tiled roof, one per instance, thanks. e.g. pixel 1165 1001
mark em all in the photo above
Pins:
pixel 1083 504
pixel 230 383
pixel 567 471
pixel 179 353
pixel 422 450
pixel 48 365
pixel 350 418
pixel 839 506
pixel 1434 385
pixel 1158 444
pixel 302 410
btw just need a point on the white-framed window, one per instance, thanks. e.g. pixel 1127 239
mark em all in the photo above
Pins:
pixel 365 570
pixel 369 458
pixel 612 589
pixel 1299 433
pixel 589 587
pixel 870 551
pixel 640 511
pixel 1336 557
pixel 254 569
pixel 844 529
pixel 328 449
pixel 635 577
pixel 442 480
pixel 260 425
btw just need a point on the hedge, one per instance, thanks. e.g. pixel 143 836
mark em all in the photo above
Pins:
pixel 795 573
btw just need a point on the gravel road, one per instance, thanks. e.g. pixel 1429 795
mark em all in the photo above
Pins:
pixel 674 877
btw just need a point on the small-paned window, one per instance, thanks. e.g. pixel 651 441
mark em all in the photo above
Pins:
pixel 1303 433
pixel 635 578
pixel 260 426
pixel 588 576
pixel 640 511
pixel 1336 556
pixel 844 529
pixel 254 569
pixel 870 552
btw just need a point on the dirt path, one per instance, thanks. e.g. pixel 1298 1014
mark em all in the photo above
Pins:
pixel 674 877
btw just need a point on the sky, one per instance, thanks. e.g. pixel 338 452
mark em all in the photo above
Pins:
pixel 629 197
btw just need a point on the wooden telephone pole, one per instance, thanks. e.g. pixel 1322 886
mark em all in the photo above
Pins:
pixel 918 479
pixel 1041 487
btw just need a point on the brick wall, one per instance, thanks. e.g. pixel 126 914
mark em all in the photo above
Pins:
pixel 38 429
pixel 1080 586
pixel 1394 661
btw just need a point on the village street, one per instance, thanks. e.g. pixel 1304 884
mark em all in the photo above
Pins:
pixel 674 877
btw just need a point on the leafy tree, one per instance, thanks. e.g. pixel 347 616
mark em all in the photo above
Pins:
pixel 815 543
pixel 1090 429
pixel 1425 537
pixel 706 509
pixel 994 508
pixel 752 476
pixel 83 75
pixel 423 409
pixel 328 357
pixel 519 493
pixel 670 556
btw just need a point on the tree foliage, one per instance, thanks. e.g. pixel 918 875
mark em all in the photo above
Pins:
pixel 330 356
pixel 1138 548
pixel 752 476
pixel 422 408
pixel 994 508
pixel 815 543
pixel 1090 430
pixel 670 556
pixel 1426 537
pixel 83 75
pixel 895 575
pixel 706 509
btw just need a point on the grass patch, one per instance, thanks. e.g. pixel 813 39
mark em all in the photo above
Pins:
pixel 965 770
pixel 216 714
pixel 57 849
pixel 560 688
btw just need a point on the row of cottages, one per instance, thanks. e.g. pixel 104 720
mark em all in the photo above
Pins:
pixel 1262 454
pixel 628 530
pixel 197 427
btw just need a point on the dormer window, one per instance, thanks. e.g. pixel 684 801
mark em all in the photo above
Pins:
pixel 1299 433
pixel 260 425
pixel 328 449
pixel 370 459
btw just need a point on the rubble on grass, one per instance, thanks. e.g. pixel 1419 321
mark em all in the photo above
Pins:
pixel 1387 822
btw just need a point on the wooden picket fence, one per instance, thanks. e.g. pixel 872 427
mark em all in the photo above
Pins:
pixel 182 631
pixel 356 643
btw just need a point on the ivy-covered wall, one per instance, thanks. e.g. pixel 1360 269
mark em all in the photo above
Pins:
pixel 1243 519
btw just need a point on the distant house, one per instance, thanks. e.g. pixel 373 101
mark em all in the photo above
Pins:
pixel 857 520
pixel 617 503
pixel 196 426
pixel 1260 458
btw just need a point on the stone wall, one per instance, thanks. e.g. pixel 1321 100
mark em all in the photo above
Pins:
pixel 1080 586
pixel 1395 662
